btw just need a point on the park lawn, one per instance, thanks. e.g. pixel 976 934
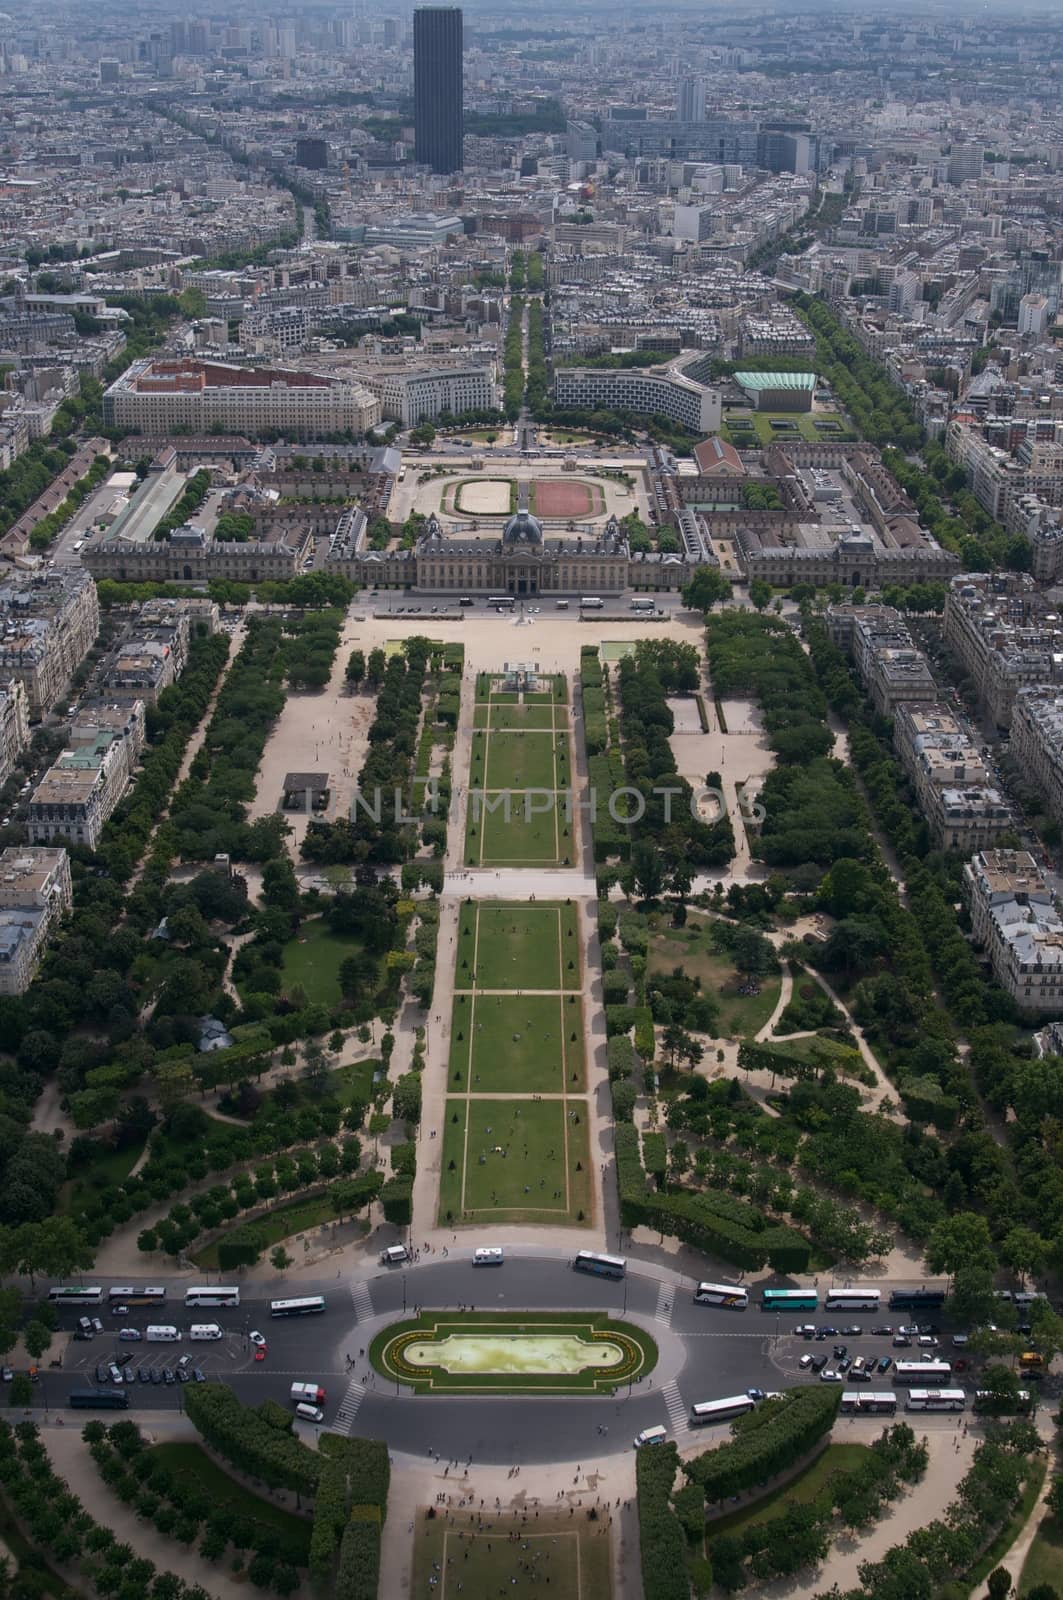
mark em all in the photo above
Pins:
pixel 616 649
pixel 190 1462
pixel 518 834
pixel 843 1058
pixel 573 1555
pixel 518 947
pixel 537 1126
pixel 505 718
pixel 105 1171
pixel 803 422
pixel 515 759
pixel 279 1224
pixel 517 1044
pixel 313 962
pixel 352 1082
pixel 1044 1559
pixel 741 1016
pixel 802 1490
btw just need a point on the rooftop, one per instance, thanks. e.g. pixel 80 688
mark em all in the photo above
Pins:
pixel 776 380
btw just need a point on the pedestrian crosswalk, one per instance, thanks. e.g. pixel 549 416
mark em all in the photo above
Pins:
pixel 363 1300
pixel 344 1420
pixel 664 1303
pixel 677 1411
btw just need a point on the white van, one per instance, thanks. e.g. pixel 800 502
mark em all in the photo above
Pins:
pixel 394 1255
pixel 561 605
pixel 308 1394
pixel 204 1330
pixel 161 1333
pixel 488 1255
pixel 310 1413
pixel 656 1435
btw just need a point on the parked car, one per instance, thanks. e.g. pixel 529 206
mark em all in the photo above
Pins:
pixel 167 1375
pixel 805 1330
pixel 155 1375
pixel 828 1375
pixel 258 1339
pixel 818 1363
pixel 805 1362
pixel 960 1341
pixel 885 1363
pixel 884 1330
pixel 901 1341
pixel 198 1375
pixel 103 1372
pixel 844 1364
pixel 827 1332
pixel 859 1377
pixel 852 1332
pixel 130 1335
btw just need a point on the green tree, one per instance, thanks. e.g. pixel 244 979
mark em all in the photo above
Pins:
pixel 647 869
pixel 280 1258
pixel 1024 1251
pixel 998 1584
pixel 960 1241
pixel 760 592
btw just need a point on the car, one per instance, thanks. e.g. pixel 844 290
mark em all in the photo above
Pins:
pixel 805 1330
pixel 884 1331
pixel 755 1394
pixel 143 1374
pixel 103 1374
pixel 885 1363
pixel 827 1332
pixel 198 1375
pixel 130 1335
pixel 7 1373
pixel 841 1349
pixel 167 1375
pixel 805 1362
pixel 155 1375
pixel 119 1311
pixel 863 1376
pixel 926 1341
pixel 183 1374
pixel 844 1364
pixel 901 1341
pixel 258 1339
pixel 820 1336
pixel 828 1375
pixel 818 1363
pixel 114 1373
pixel 852 1332
pixel 260 1353
pixel 960 1341
pixel 185 1361
pixel 97 1325
pixel 125 1358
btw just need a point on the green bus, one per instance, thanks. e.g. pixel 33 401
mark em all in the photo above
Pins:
pixel 789 1300
pixel 98 1400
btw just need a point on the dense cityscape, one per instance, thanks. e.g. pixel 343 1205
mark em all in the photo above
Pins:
pixel 531 802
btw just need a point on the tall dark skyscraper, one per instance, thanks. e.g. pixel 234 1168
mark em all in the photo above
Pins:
pixel 438 96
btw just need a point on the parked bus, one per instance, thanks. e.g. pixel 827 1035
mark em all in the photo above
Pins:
pixel 936 1400
pixel 501 602
pixel 136 1297
pixel 882 1401
pixel 212 1294
pixel 591 602
pixel 642 606
pixel 711 1411
pixel 98 1399
pixel 851 1300
pixel 909 1372
pixel 311 1306
pixel 917 1299
pixel 986 1400
pixel 601 1266
pixel 721 1294
pixel 789 1300
pixel 65 1294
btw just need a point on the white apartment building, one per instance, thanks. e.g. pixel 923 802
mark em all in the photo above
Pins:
pixel 48 625
pixel 1037 742
pixel 14 725
pixel 76 796
pixel 1006 635
pixel 35 892
pixel 952 783
pixel 417 396
pixel 1015 919
pixel 891 668
pixel 157 395
pixel 646 390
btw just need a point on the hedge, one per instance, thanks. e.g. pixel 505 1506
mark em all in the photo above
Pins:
pixel 595 726
pixel 661 1541
pixel 645 1038
pixel 623 1062
pixel 766 1442
pixel 607 920
pixel 243 1436
pixel 590 667
pixel 619 1020
pixel 655 1154
pixel 397 1199
pixel 359 1569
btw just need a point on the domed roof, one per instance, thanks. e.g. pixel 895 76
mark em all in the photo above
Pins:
pixel 523 528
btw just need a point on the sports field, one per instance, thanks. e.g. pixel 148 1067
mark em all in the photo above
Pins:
pixel 566 497
pixel 519 776
pixel 520 1555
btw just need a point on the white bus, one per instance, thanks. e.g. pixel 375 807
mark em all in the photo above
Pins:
pixel 710 1411
pixel 912 1372
pixel 591 602
pixel 162 1333
pixel 501 602
pixel 311 1306
pixel 136 1297
pixel 721 1294
pixel 936 1400
pixel 642 605
pixel 601 1266
pixel 852 1300
pixel 65 1294
pixel 212 1294
pixel 204 1330
pixel 860 1400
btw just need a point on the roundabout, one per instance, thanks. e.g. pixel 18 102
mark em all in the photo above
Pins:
pixel 517 1352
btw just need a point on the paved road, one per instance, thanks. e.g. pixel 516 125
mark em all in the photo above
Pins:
pixel 705 1353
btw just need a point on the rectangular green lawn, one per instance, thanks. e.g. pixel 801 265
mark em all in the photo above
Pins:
pixel 518 947
pixel 479 1183
pixel 517 1044
pixel 516 760
pixel 502 719
pixel 517 834
pixel 572 1555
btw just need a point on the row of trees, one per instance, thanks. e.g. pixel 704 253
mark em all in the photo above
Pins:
pixel 880 411
pixel 513 360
